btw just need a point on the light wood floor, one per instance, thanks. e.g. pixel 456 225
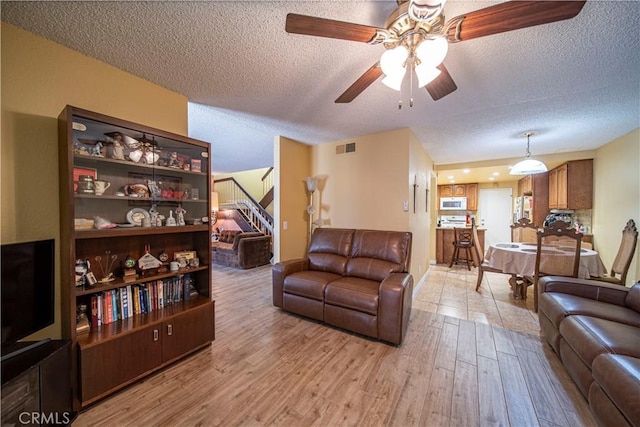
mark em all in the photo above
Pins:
pixel 458 366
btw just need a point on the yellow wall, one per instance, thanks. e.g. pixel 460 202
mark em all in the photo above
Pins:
pixel 420 172
pixel 38 79
pixel 292 165
pixel 616 197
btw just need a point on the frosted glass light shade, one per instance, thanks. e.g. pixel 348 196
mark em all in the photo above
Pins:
pixel 528 167
pixel 394 81
pixel 312 184
pixel 426 74
pixel 393 59
pixel 432 51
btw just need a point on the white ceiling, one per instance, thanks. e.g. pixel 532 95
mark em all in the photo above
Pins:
pixel 575 82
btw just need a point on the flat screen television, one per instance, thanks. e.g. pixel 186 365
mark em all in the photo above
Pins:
pixel 28 289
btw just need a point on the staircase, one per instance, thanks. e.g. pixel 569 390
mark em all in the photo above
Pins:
pixel 248 213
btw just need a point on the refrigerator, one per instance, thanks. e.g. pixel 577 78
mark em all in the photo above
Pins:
pixel 523 208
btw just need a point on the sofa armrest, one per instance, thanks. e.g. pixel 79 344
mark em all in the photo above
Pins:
pixel 281 270
pixel 592 289
pixel 254 251
pixel 394 307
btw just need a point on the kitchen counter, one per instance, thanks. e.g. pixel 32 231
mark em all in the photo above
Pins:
pixel 444 243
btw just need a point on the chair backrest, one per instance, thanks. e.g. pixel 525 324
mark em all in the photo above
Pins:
pixel 523 231
pixel 477 251
pixel 462 235
pixel 558 229
pixel 558 264
pixel 625 252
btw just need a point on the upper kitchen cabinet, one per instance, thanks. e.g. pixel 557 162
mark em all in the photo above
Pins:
pixel 571 185
pixel 525 186
pixel 537 186
pixel 452 190
pixel 472 197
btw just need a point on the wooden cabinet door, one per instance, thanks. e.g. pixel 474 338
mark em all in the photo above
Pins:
pixel 459 190
pixel 445 191
pixel 187 331
pixel 472 197
pixel 525 186
pixel 112 363
pixel 553 189
pixel 562 187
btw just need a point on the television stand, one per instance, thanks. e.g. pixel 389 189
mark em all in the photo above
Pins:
pixel 23 347
pixel 36 384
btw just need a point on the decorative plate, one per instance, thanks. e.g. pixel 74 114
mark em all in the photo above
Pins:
pixel 136 215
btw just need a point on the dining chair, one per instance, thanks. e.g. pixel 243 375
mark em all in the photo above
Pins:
pixel 462 241
pixel 553 231
pixel 478 256
pixel 624 256
pixel 523 231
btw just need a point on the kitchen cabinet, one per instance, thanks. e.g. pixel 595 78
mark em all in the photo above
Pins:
pixel 537 186
pixel 571 185
pixel 472 197
pixel 525 186
pixel 126 313
pixel 444 244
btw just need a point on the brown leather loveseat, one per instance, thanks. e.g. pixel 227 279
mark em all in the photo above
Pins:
pixel 353 279
pixel 595 329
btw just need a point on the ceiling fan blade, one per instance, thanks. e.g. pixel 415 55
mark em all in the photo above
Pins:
pixel 512 15
pixel 365 80
pixel 321 27
pixel 442 86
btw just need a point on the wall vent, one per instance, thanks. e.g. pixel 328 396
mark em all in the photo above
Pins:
pixel 346 148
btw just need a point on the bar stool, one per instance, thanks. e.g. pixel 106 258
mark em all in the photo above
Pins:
pixel 462 240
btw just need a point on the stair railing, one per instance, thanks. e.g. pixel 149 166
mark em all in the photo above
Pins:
pixel 232 195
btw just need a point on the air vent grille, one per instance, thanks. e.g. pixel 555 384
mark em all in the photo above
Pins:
pixel 346 148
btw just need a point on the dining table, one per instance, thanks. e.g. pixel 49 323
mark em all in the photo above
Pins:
pixel 519 260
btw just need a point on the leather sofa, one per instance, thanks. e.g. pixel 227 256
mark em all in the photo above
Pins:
pixel 356 280
pixel 240 249
pixel 595 329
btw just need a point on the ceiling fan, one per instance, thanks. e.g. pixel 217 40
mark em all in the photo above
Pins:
pixel 416 37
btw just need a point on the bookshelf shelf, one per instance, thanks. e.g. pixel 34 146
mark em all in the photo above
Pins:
pixel 104 162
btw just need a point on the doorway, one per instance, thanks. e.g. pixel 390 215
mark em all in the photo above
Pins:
pixel 494 214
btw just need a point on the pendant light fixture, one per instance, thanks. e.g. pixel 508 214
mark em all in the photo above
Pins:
pixel 528 166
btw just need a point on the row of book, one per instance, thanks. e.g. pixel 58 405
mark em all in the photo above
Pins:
pixel 127 301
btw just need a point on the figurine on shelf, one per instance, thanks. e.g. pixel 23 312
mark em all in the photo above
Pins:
pixel 171 221
pixel 155 218
pixel 96 150
pixel 117 149
pixel 82 321
pixel 180 215
pixel 173 160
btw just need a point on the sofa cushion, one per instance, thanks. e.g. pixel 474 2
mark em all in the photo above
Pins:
pixel 353 293
pixel 619 377
pixel 591 336
pixel 309 284
pixel 375 255
pixel 633 298
pixel 329 249
pixel 557 306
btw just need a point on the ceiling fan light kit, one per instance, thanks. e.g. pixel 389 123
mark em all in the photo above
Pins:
pixel 528 166
pixel 419 27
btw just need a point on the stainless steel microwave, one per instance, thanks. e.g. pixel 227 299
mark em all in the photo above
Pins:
pixel 453 203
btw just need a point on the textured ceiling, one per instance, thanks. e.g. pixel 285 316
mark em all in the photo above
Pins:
pixel 575 82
